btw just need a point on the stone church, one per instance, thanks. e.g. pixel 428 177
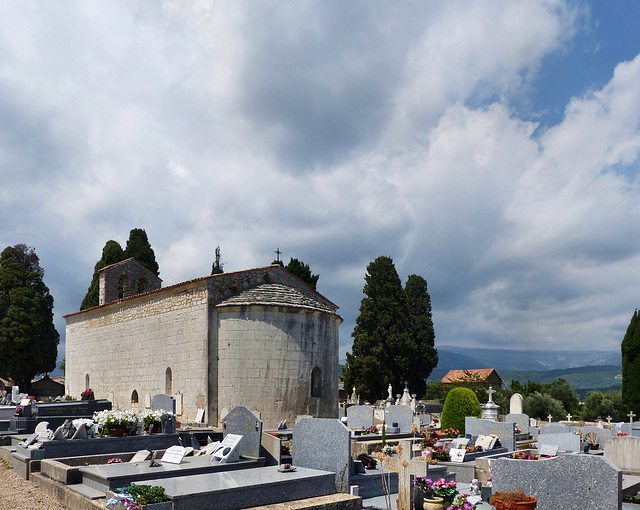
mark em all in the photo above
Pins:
pixel 261 338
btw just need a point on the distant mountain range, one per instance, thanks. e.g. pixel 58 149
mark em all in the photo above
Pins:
pixel 451 357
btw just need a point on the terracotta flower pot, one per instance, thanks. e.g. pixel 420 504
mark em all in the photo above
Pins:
pixel 433 504
pixel 521 505
pixel 116 432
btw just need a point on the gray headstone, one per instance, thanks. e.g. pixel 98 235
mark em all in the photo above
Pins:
pixel 243 422
pixel 521 421
pixel 163 402
pixel 566 442
pixel 505 431
pixel 359 417
pixel 622 428
pixel 402 415
pixel 571 481
pixel 624 452
pixel 604 435
pixel 554 428
pixel 515 404
pixel 324 444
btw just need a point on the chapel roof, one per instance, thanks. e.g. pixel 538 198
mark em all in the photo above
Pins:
pixel 275 294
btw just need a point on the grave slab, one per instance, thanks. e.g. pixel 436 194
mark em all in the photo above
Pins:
pixel 566 442
pixel 568 482
pixel 521 421
pixel 245 488
pixel 505 431
pixel 402 415
pixel 106 477
pixel 323 444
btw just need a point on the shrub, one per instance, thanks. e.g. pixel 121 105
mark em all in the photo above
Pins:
pixel 540 405
pixel 460 402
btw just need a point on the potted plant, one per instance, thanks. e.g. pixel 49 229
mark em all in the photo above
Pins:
pixel 139 497
pixel 424 494
pixel 514 500
pixel 114 423
pixel 87 395
pixel 152 421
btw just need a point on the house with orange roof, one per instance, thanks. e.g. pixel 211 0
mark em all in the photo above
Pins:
pixel 488 375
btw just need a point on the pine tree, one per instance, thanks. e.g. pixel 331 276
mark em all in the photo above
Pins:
pixel 28 338
pixel 139 248
pixel 630 348
pixel 217 265
pixel 421 328
pixel 111 253
pixel 303 271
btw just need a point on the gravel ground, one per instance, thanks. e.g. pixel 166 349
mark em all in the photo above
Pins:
pixel 19 494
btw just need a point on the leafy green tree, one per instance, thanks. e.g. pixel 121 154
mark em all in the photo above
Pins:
pixel 217 265
pixel 28 338
pixel 385 350
pixel 139 248
pixel 540 405
pixel 631 365
pixel 303 271
pixel 421 328
pixel 460 402
pixel 561 390
pixel 111 253
pixel 600 404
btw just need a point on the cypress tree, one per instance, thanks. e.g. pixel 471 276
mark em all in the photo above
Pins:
pixel 381 352
pixel 28 339
pixel 630 348
pixel 422 332
pixel 111 253
pixel 139 248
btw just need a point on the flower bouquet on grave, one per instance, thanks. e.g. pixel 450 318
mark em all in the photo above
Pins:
pixel 152 420
pixel 450 432
pixel 428 441
pixel 114 423
pixel 371 430
pixel 87 395
pixel 439 453
pixel 524 456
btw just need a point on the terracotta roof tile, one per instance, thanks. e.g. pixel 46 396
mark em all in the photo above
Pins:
pixel 460 375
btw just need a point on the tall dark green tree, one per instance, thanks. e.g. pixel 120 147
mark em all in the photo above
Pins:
pixel 216 268
pixel 303 271
pixel 384 350
pixel 421 328
pixel 28 338
pixel 111 253
pixel 631 365
pixel 139 248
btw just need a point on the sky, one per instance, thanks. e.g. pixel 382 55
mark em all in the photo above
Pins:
pixel 491 147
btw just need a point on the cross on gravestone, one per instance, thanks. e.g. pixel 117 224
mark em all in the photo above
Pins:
pixel 490 392
pixel 609 420
pixel 568 417
pixel 278 253
pixel 631 416
pixel 549 418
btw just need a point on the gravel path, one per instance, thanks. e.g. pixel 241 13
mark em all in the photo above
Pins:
pixel 19 494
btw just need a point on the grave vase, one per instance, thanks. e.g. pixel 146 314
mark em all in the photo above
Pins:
pixel 433 504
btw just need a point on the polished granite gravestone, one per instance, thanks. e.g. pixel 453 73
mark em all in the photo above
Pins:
pixel 106 477
pixel 521 421
pixel 474 427
pixel 402 415
pixel 565 441
pixel 324 444
pixel 553 428
pixel 568 482
pixel 245 488
pixel 164 402
pixel 243 422
pixel 359 417
pixel 604 435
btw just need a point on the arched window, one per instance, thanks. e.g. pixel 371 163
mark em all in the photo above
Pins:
pixel 168 381
pixel 142 285
pixel 121 284
pixel 316 383
pixel 134 397
pixel 86 382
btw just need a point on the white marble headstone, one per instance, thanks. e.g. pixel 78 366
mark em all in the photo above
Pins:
pixel 515 404
pixel 174 455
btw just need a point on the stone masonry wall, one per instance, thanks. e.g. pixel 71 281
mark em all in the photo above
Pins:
pixel 265 358
pixel 128 346
pixel 131 272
